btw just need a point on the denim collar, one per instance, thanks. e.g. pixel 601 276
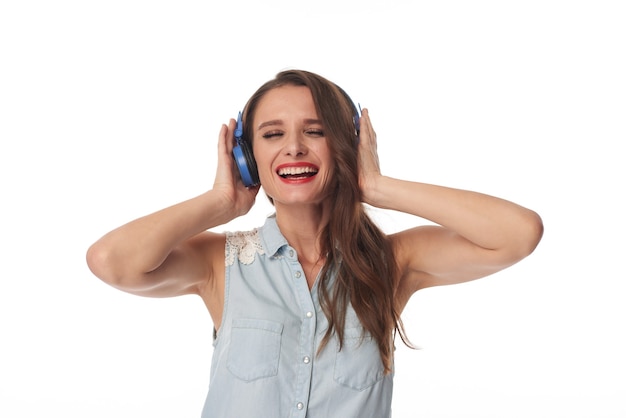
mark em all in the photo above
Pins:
pixel 271 237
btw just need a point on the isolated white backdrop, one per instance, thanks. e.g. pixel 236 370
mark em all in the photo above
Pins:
pixel 111 110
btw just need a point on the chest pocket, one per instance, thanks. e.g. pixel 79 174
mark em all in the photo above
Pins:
pixel 358 365
pixel 254 349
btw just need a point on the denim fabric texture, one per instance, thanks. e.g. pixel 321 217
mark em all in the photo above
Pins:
pixel 265 362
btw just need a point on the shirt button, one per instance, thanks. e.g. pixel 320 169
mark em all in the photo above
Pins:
pixel 309 314
pixel 306 360
pixel 298 274
pixel 290 253
pixel 300 405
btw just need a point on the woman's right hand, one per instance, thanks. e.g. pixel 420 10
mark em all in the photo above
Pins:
pixel 227 179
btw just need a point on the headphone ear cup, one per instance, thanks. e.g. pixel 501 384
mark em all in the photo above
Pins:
pixel 254 172
pixel 244 159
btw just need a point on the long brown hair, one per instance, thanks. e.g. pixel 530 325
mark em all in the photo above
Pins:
pixel 356 250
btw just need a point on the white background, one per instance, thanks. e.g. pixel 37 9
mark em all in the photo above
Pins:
pixel 111 110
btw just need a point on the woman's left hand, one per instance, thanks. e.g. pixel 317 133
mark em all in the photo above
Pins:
pixel 369 165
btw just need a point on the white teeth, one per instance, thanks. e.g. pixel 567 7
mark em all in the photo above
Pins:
pixel 294 171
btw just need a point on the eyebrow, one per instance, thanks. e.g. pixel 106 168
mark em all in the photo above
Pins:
pixel 276 122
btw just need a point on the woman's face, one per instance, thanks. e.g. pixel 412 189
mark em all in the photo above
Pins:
pixel 290 148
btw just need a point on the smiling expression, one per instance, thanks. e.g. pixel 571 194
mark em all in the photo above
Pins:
pixel 290 147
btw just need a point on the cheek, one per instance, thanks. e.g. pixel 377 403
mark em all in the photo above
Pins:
pixel 328 161
pixel 259 157
pixel 264 167
pixel 330 178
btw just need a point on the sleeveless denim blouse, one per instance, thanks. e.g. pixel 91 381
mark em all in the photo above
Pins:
pixel 265 362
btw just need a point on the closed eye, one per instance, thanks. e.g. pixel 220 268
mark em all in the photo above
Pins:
pixel 272 134
pixel 315 132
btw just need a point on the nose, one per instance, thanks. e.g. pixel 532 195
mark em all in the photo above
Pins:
pixel 294 145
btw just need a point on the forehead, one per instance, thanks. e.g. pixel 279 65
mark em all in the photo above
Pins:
pixel 285 102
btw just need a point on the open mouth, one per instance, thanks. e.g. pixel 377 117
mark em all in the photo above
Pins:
pixel 298 172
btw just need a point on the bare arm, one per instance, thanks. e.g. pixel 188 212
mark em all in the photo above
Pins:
pixel 476 234
pixel 168 253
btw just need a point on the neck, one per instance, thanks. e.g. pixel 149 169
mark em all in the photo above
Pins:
pixel 302 226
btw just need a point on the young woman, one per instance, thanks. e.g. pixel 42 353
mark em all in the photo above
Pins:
pixel 306 307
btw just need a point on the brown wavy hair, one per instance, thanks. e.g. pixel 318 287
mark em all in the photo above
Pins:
pixel 356 249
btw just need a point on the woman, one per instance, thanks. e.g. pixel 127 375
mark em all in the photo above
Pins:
pixel 306 307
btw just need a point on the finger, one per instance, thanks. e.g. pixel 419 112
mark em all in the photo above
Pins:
pixel 230 136
pixel 369 153
pixel 367 129
pixel 221 142
pixel 225 146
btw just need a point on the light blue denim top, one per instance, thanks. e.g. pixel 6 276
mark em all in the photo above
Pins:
pixel 265 362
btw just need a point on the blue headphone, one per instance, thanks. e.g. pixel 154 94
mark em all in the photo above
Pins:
pixel 244 158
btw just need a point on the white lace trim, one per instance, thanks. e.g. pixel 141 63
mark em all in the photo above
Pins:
pixel 244 246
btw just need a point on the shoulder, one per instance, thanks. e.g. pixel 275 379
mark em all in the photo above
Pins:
pixel 409 244
pixel 207 241
pixel 207 247
pixel 413 251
